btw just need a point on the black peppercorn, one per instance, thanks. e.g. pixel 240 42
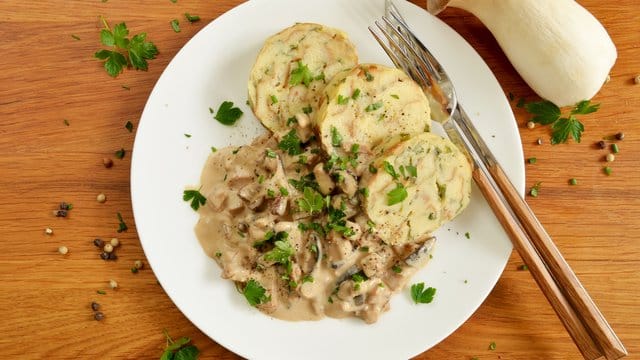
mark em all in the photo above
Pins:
pixel 95 306
pixel 620 136
pixel 98 243
pixel 98 316
pixel 601 144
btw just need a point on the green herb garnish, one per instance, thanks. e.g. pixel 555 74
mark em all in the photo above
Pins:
pixel 300 75
pixel 120 153
pixel 227 114
pixel 197 199
pixel 373 107
pixel 179 349
pixel 336 138
pixel 175 25
pixel 396 195
pixel 311 201
pixel 388 168
pixel 420 295
pixel 126 52
pixel 291 143
pixel 255 293
pixel 121 224
pixel 129 126
pixel 547 113
pixel 191 18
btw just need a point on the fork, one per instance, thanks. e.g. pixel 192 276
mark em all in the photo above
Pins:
pixel 573 305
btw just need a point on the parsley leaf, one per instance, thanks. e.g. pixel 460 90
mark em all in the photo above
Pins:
pixel 396 195
pixel 342 100
pixel 311 201
pixel 565 127
pixel 336 138
pixel 388 168
pixel 356 94
pixel 138 50
pixel 584 107
pixel 120 153
pixel 227 114
pixel 179 349
pixel 412 170
pixel 300 75
pixel 196 198
pixel 308 180
pixel 545 112
pixel 255 293
pixel 291 143
pixel 420 295
pixel 281 253
pixel 129 126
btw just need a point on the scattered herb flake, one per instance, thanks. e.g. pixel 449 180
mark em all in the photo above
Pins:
pixel 274 99
pixel 395 96
pixel 467 235
pixel 521 102
pixel 121 224
pixel 66 122
pixel 300 75
pixel 75 37
pixel 532 160
pixel 342 100
pixel 120 154
pixel 191 18
pixel 523 268
pixel 492 345
pixel 373 107
pixel 535 189
pixel 271 154
pixel 129 126
pixel 175 25
pixel 197 199
pixel 388 168
pixel 336 138
pixel 101 292
pixel 227 114
pixel 187 135
pixel 214 149
pixel 396 195
pixel 396 269
pixel 307 110
pixel 356 94
pixel 420 295
pixel 412 170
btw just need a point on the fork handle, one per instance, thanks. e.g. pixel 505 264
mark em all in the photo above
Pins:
pixel 588 312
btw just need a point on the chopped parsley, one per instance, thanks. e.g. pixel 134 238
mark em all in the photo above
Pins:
pixel 412 170
pixel 388 168
pixel 373 107
pixel 179 349
pixel 342 100
pixel 175 25
pixel 197 199
pixel 307 109
pixel 274 99
pixel 255 293
pixel 301 75
pixel 126 52
pixel 492 345
pixel 337 222
pixel 305 181
pixel 120 153
pixel 307 279
pixel 291 143
pixel 227 114
pixel 311 201
pixel 420 295
pixel 372 169
pixel 191 18
pixel 396 269
pixel 122 226
pixel 395 96
pixel 356 94
pixel 397 195
pixel 368 76
pixel 336 138
pixel 284 191
pixel 270 153
pixel 187 135
pixel 129 126
pixel 75 37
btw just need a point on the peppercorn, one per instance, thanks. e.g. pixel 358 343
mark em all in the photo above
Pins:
pixel 63 250
pixel 115 242
pixel 48 231
pixel 620 136
pixel 65 206
pixel 539 141
pixel 113 284
pixel 112 256
pixel 60 213
pixel 104 256
pixel 601 144
pixel 138 264
pixel 637 79
pixel 531 125
pixel 107 162
pixel 610 157
pixel 98 316
pixel 95 306
pixel 607 170
pixel 98 243
pixel 101 198
pixel 573 181
pixel 107 248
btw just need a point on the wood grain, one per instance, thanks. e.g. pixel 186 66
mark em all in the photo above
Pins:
pixel 47 76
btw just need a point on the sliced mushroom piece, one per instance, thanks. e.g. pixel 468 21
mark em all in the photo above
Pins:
pixel 325 182
pixel 419 257
pixel 349 184
pixel 233 201
pixel 279 205
pixel 347 275
pixel 359 300
pixel 253 194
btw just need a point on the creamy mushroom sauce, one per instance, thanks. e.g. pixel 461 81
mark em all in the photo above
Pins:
pixel 338 267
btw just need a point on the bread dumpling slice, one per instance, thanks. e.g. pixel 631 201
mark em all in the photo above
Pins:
pixel 291 70
pixel 368 104
pixel 416 186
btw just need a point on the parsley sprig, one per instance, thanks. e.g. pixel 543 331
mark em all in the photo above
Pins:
pixel 547 113
pixel 179 349
pixel 311 201
pixel 227 114
pixel 420 295
pixel 124 52
pixel 255 293
pixel 196 198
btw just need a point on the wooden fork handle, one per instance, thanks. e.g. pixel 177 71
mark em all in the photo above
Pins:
pixel 561 271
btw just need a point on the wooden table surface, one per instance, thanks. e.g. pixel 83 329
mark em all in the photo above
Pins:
pixel 48 76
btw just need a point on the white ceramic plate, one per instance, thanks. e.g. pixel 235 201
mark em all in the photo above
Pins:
pixel 214 67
